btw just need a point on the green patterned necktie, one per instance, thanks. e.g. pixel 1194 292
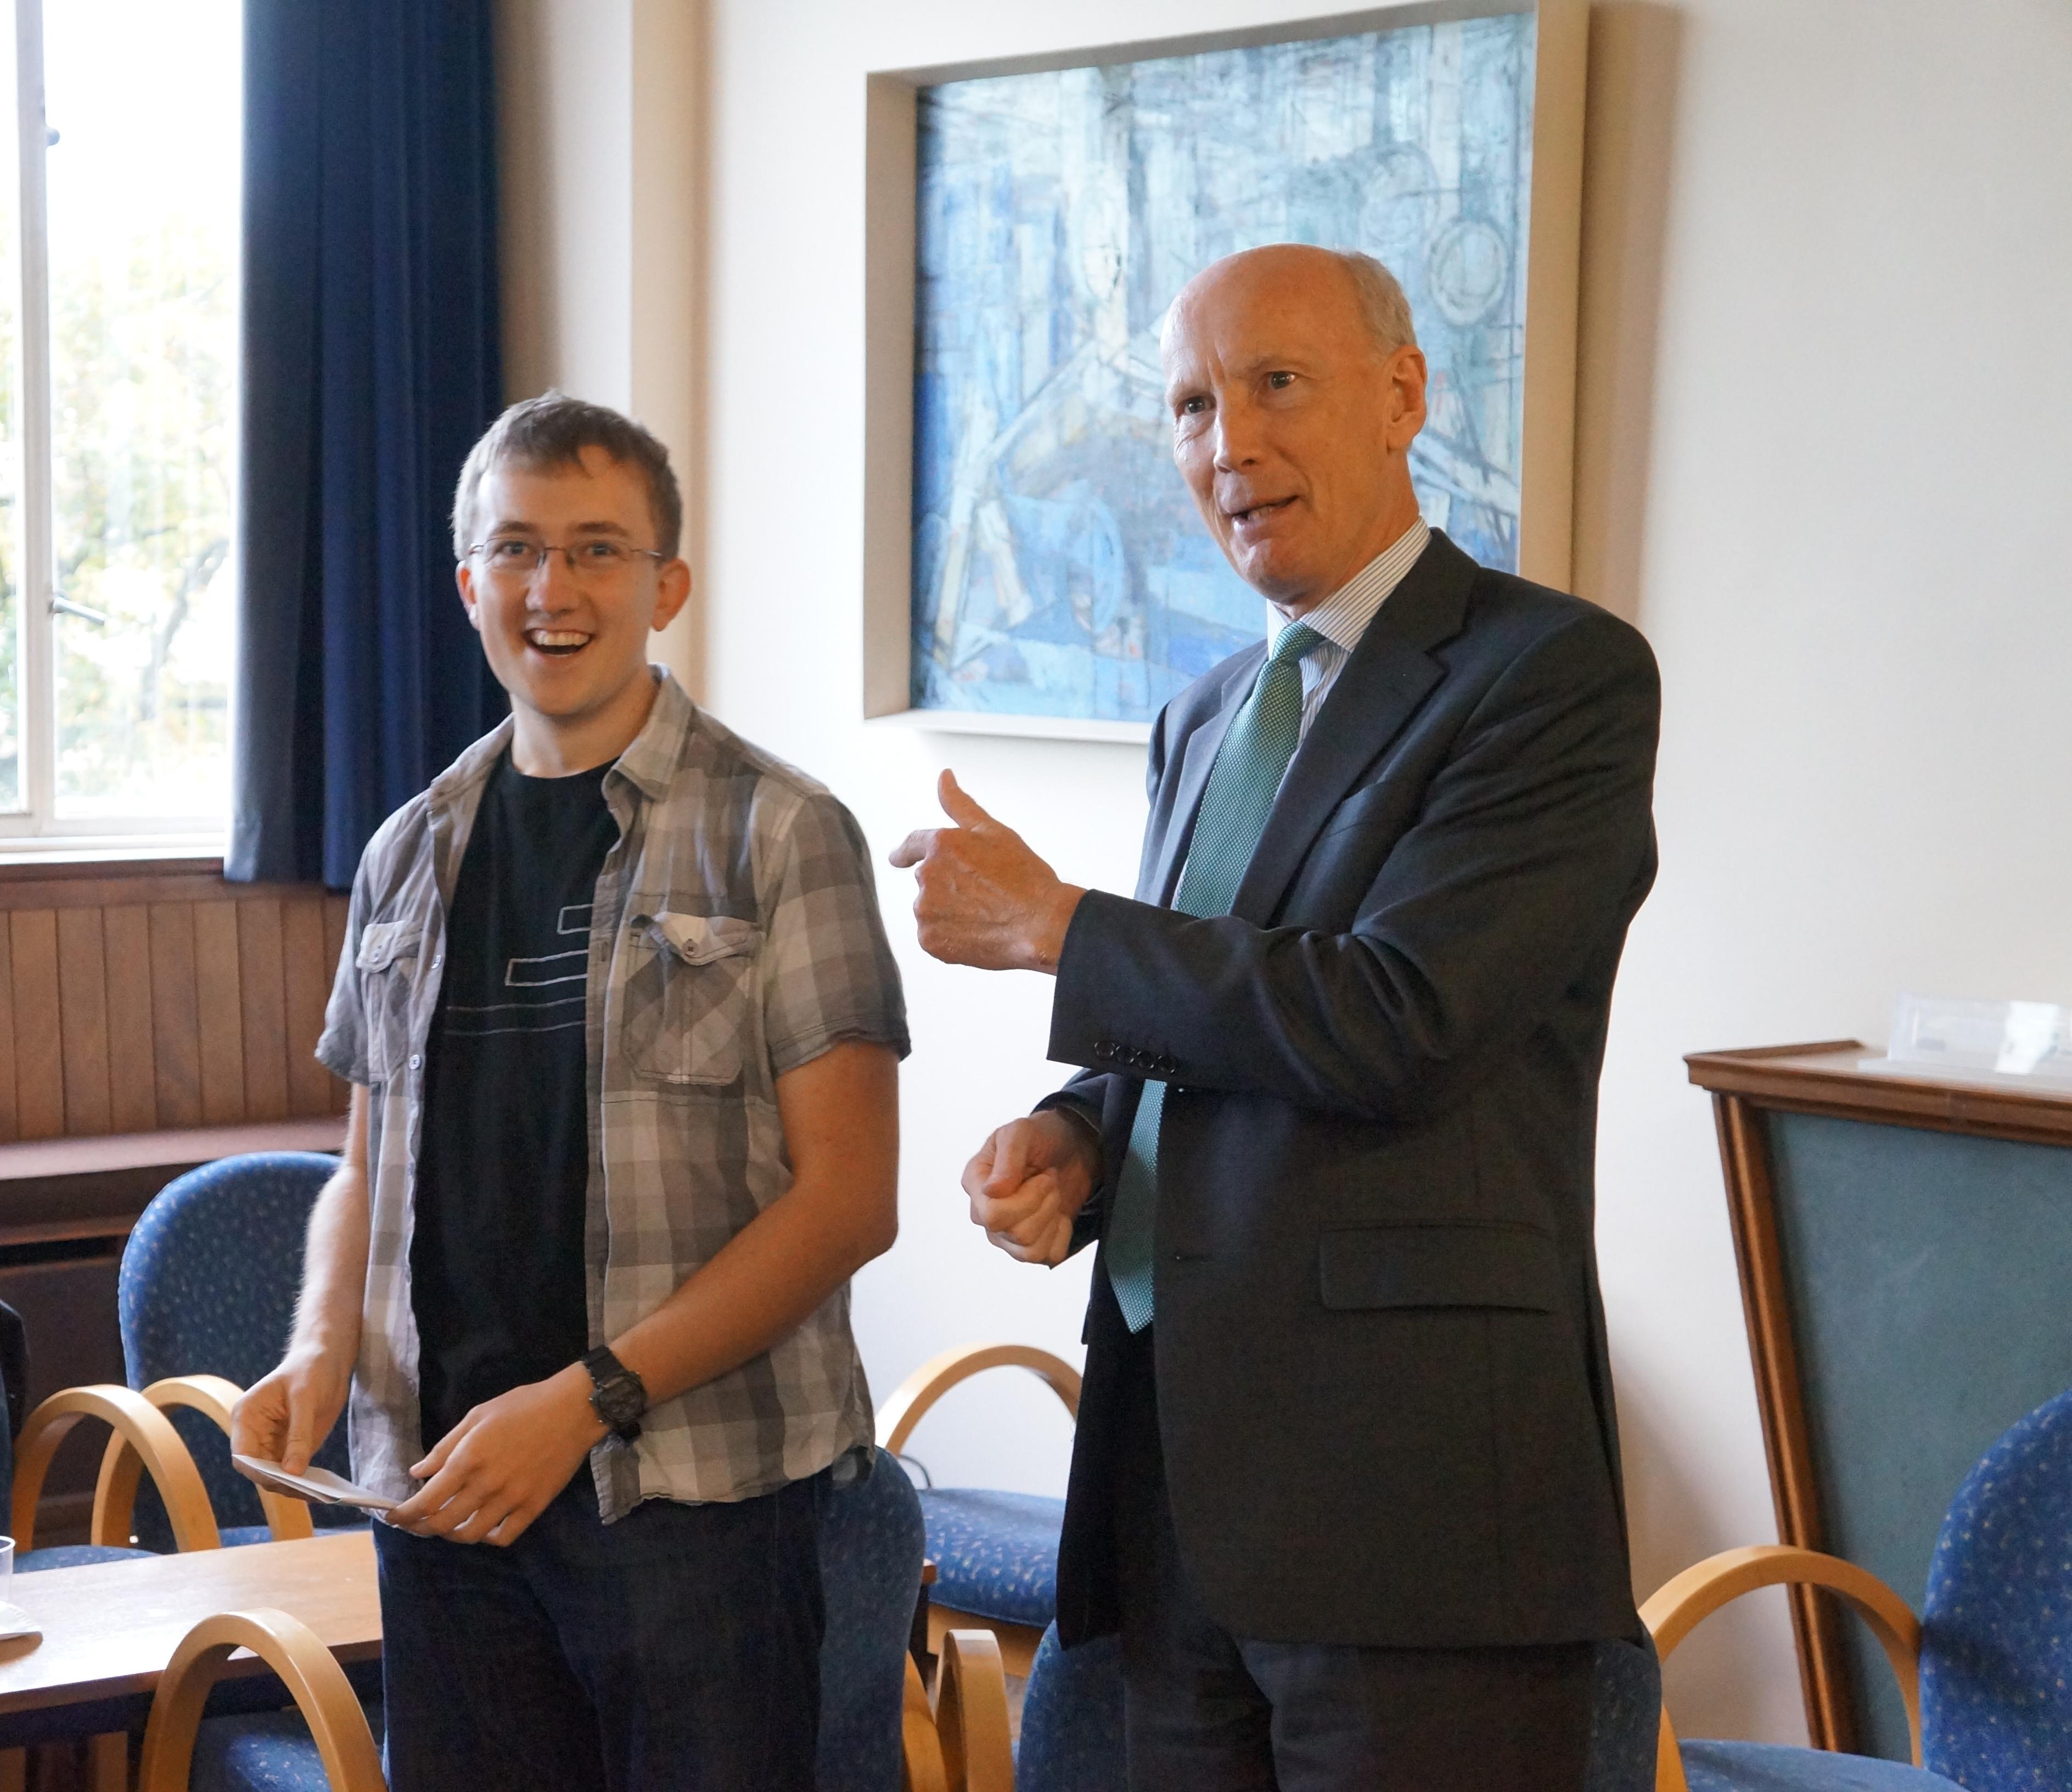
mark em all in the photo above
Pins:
pixel 1242 786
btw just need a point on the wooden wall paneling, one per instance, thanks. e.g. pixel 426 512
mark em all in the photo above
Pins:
pixel 306 988
pixel 133 1095
pixel 176 1030
pixel 219 1013
pixel 11 1122
pixel 38 1061
pixel 83 1020
pixel 336 908
pixel 262 998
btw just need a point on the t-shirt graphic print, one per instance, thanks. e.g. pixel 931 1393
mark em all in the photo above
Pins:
pixel 496 1254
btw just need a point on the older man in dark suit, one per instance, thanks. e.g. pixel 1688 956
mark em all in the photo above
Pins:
pixel 1346 1474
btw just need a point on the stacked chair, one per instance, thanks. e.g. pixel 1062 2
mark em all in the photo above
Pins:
pixel 996 1553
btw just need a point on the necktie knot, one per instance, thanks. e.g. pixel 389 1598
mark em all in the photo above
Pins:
pixel 1296 639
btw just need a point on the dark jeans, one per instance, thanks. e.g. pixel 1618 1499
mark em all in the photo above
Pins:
pixel 678 1648
pixel 1205 1711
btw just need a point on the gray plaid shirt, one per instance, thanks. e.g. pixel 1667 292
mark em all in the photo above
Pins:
pixel 735 937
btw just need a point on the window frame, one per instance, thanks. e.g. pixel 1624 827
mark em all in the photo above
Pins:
pixel 36 829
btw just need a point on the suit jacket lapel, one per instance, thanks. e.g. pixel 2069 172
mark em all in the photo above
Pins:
pixel 1377 691
pixel 1197 754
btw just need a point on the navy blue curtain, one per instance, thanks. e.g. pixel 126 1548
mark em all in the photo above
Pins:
pixel 371 364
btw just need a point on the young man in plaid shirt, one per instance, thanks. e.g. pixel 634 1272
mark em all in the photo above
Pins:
pixel 623 1031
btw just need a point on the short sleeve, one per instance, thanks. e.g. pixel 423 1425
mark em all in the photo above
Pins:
pixel 828 971
pixel 342 1049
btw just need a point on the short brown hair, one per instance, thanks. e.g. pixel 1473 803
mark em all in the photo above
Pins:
pixel 553 430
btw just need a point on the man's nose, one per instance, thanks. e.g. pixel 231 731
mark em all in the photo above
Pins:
pixel 1237 442
pixel 553 586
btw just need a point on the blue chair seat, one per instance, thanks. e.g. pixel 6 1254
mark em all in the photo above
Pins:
pixel 1071 1718
pixel 266 1752
pixel 73 1556
pixel 995 1554
pixel 1767 1767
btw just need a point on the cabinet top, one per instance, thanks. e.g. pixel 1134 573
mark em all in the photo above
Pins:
pixel 1828 1076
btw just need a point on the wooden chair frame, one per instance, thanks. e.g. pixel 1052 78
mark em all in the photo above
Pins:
pixel 958 1742
pixel 1681 1604
pixel 213 1396
pixel 905 1408
pixel 351 1761
pixel 146 1434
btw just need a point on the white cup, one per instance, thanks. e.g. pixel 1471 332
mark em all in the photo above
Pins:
pixel 6 1559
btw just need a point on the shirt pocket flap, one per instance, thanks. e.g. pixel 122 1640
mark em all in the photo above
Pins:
pixel 700 939
pixel 383 942
pixel 1440 1266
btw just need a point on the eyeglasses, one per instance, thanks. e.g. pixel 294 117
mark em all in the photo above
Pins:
pixel 512 560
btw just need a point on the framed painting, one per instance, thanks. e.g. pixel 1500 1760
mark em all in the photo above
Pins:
pixel 1034 563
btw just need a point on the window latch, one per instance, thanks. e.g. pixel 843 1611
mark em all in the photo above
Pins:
pixel 64 607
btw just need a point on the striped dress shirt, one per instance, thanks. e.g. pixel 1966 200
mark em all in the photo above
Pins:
pixel 1343 618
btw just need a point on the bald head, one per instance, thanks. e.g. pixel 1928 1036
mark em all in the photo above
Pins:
pixel 1376 294
pixel 1295 387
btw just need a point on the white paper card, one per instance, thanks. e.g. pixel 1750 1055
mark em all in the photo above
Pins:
pixel 319 1485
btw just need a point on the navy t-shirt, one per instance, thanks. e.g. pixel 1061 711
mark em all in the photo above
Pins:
pixel 496 1257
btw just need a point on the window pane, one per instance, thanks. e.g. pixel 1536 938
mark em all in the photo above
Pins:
pixel 11 431
pixel 143 101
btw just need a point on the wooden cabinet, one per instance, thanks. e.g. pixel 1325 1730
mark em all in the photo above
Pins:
pixel 1905 1245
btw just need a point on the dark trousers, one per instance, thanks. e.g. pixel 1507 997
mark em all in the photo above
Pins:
pixel 1205 1711
pixel 678 1648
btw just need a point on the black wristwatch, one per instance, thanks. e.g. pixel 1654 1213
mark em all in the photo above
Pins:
pixel 618 1397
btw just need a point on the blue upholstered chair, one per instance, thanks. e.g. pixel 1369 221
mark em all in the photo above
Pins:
pixel 50 1424
pixel 327 1743
pixel 207 1296
pixel 1984 1676
pixel 871 1537
pixel 996 1553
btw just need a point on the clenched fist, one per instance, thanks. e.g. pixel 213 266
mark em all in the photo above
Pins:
pixel 1028 1182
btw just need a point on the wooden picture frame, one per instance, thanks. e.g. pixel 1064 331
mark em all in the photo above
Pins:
pixel 1546 436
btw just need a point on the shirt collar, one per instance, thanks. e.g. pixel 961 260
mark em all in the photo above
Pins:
pixel 649 763
pixel 1343 617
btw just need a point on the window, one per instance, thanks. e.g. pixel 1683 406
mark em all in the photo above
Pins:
pixel 119 217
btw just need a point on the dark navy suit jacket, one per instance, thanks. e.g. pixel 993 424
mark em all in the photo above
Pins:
pixel 1383 1387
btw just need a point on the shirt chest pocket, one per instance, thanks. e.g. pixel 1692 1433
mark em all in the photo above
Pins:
pixel 388 965
pixel 690 996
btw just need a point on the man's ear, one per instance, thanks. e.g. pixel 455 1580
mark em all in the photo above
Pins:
pixel 1406 378
pixel 672 590
pixel 464 580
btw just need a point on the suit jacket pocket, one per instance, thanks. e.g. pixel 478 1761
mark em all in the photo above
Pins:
pixel 1439 1265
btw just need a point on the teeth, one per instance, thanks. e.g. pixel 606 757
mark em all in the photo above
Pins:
pixel 554 637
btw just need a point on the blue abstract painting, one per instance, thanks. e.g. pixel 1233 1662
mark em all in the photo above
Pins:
pixel 1060 568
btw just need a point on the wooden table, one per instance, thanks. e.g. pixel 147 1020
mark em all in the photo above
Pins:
pixel 109 1630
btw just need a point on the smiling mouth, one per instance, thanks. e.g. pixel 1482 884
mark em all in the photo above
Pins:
pixel 555 643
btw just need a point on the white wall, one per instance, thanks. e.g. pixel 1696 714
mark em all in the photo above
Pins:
pixel 1827 429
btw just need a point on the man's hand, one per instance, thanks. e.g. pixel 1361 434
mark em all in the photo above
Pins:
pixel 985 899
pixel 501 1466
pixel 1028 1182
pixel 285 1416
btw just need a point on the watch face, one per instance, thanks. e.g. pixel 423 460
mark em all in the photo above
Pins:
pixel 618 1401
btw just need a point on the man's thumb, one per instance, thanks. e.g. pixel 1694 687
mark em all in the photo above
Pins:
pixel 958 807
